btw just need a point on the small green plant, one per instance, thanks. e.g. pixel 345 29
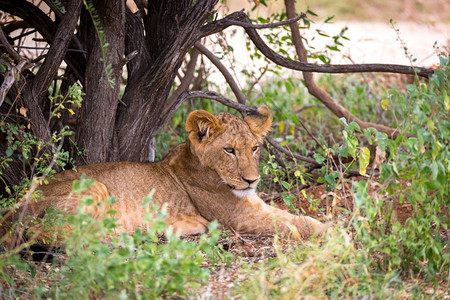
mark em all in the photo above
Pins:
pixel 36 155
pixel 137 265
pixel 416 172
pixel 152 262
pixel 333 268
pixel 374 254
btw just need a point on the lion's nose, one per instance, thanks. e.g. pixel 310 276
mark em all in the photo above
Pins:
pixel 249 181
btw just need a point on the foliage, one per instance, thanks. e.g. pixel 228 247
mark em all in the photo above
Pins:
pixel 370 255
pixel 139 266
pixel 33 153
pixel 416 171
pixel 373 254
pixel 135 266
pixel 333 268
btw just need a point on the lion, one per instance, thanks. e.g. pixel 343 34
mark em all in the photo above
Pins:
pixel 212 176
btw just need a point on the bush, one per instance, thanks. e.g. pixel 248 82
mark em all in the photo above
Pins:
pixel 416 171
pixel 140 266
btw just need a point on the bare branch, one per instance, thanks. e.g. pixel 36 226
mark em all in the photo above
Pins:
pixel 289 153
pixel 55 9
pixel 318 92
pixel 269 25
pixel 47 28
pixel 242 108
pixel 228 77
pixel 15 56
pixel 241 17
pixel 11 76
pixel 58 49
pixel 309 133
pixel 234 19
pixel 185 81
pixel 127 59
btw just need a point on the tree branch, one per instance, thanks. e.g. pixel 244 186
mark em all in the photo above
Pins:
pixel 228 77
pixel 289 153
pixel 47 28
pixel 242 108
pixel 268 25
pixel 58 50
pixel 185 81
pixel 241 18
pixel 318 92
pixel 13 53
pixel 10 78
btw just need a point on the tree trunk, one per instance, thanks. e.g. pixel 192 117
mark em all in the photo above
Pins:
pixel 95 126
pixel 172 28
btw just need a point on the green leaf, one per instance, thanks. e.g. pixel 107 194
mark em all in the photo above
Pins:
pixel 352 143
pixel 286 185
pixel 9 152
pixel 281 127
pixel 319 158
pixel 353 125
pixel 86 201
pixel 311 13
pixel 364 158
pixel 329 179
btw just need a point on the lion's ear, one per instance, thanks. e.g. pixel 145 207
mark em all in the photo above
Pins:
pixel 260 121
pixel 201 124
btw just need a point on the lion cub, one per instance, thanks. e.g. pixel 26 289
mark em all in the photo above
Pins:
pixel 212 176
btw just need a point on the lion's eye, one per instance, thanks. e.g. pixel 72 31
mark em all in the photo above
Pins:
pixel 229 150
pixel 255 148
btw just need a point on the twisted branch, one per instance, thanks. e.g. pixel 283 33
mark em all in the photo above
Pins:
pixel 318 92
pixel 241 19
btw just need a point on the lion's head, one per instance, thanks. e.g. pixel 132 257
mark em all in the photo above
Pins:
pixel 230 145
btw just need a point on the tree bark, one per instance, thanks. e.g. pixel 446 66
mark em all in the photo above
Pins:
pixel 98 112
pixel 35 90
pixel 172 28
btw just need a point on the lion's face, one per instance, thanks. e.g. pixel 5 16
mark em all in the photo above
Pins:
pixel 230 146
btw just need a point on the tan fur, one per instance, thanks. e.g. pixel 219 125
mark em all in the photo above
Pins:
pixel 213 176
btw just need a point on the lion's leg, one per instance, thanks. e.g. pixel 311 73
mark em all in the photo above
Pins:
pixel 263 218
pixel 186 224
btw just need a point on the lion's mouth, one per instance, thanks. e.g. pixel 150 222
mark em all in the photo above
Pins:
pixel 243 192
